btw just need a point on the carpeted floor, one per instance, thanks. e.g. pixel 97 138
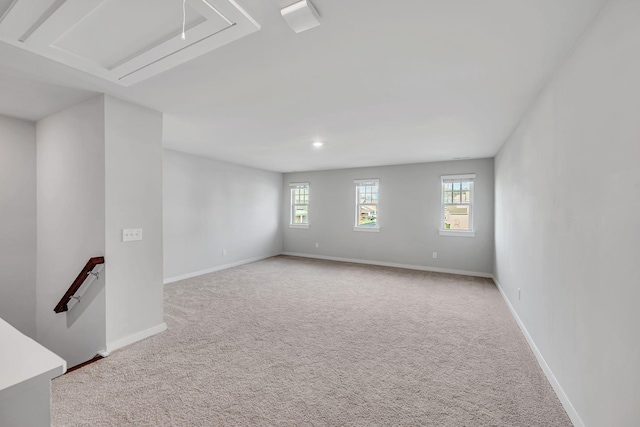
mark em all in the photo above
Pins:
pixel 297 342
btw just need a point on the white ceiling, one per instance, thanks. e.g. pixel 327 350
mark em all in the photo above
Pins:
pixel 381 83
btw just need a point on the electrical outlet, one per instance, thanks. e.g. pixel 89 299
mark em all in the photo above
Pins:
pixel 435 255
pixel 518 294
pixel 317 245
pixel 224 252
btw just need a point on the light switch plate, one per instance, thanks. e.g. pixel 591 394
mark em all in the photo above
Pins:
pixel 131 234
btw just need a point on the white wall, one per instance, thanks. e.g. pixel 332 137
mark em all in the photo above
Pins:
pixel 133 159
pixel 409 217
pixel 562 179
pixel 71 224
pixel 211 206
pixel 18 224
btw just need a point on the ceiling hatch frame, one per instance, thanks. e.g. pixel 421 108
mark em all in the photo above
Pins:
pixel 62 30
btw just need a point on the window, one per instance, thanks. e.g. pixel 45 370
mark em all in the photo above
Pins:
pixel 367 205
pixel 299 205
pixel 457 205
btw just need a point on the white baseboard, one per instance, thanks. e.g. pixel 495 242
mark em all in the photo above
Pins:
pixel 123 342
pixel 212 269
pixel 392 264
pixel 566 403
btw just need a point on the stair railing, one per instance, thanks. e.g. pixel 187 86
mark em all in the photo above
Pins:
pixel 87 271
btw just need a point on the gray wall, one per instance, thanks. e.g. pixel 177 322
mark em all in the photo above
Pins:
pixel 567 232
pixel 71 227
pixel 133 167
pixel 409 217
pixel 210 206
pixel 18 224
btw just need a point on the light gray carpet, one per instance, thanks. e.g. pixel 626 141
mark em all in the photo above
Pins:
pixel 296 342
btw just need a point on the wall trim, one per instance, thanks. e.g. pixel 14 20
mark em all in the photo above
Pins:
pixel 138 336
pixel 392 264
pixel 217 268
pixel 564 399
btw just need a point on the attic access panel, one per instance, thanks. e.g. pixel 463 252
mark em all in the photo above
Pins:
pixel 122 41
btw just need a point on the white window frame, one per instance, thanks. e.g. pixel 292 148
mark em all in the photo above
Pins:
pixel 458 178
pixel 292 187
pixel 366 228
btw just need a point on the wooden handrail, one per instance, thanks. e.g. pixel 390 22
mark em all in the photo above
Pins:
pixel 62 305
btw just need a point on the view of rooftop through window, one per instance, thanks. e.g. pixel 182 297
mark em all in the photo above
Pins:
pixel 456 200
pixel 367 200
pixel 299 204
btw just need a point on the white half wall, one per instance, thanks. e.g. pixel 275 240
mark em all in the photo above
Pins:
pixel 211 207
pixel 18 224
pixel 133 199
pixel 71 224
pixel 567 192
pixel 25 379
pixel 409 217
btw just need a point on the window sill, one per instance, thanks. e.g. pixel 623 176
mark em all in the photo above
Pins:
pixel 367 229
pixel 304 226
pixel 457 233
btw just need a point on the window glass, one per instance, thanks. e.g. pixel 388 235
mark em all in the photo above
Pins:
pixel 367 204
pixel 299 205
pixel 457 202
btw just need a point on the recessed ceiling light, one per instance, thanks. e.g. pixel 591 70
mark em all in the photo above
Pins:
pixel 318 144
